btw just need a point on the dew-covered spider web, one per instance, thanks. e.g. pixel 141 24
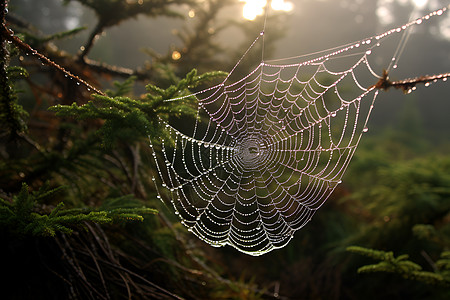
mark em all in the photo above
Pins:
pixel 266 151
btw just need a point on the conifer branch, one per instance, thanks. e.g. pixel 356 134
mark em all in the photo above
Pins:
pixel 127 118
pixel 404 267
pixel 12 115
pixel 21 216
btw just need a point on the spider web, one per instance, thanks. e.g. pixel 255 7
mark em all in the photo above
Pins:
pixel 265 152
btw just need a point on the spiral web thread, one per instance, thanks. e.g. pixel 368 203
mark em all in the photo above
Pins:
pixel 267 151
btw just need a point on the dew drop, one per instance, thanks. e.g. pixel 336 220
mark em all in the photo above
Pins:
pixel 394 66
pixel 368 52
pixel 365 129
pixel 427 84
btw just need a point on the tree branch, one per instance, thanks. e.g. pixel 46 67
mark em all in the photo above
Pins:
pixel 408 85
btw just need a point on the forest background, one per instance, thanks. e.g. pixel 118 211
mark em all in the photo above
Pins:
pixel 108 242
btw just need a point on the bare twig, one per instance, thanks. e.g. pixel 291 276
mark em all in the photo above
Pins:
pixel 408 85
pixel 91 40
pixel 7 34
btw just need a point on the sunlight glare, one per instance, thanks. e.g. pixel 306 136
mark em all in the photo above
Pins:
pixel 282 5
pixel 420 3
pixel 254 8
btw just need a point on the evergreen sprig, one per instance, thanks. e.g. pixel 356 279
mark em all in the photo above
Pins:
pixel 12 114
pixel 129 119
pixel 38 39
pixel 404 267
pixel 122 88
pixel 21 216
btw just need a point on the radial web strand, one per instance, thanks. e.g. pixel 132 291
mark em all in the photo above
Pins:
pixel 265 152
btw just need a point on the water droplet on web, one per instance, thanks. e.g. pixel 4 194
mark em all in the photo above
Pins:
pixel 427 84
pixel 365 129
pixel 368 52
pixel 394 66
pixel 333 114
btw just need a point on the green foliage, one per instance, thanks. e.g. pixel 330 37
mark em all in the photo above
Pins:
pixel 23 218
pixel 122 88
pixel 12 114
pixel 34 39
pixel 128 119
pixel 404 267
